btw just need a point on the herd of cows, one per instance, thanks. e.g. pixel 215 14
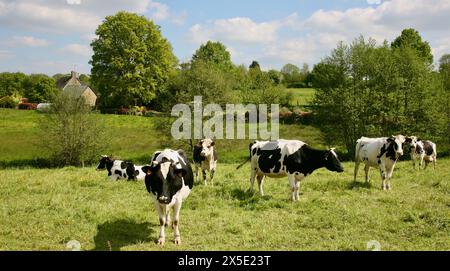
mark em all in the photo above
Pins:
pixel 169 177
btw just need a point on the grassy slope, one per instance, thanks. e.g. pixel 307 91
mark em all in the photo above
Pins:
pixel 132 137
pixel 44 209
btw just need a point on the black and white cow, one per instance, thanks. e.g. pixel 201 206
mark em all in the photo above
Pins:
pixel 205 157
pixel 381 153
pixel 169 180
pixel 118 169
pixel 292 158
pixel 421 150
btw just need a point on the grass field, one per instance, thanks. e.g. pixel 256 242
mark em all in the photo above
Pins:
pixel 133 138
pixel 301 96
pixel 42 209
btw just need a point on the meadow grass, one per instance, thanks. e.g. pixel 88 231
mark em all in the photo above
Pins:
pixel 43 209
pixel 301 96
pixel 131 138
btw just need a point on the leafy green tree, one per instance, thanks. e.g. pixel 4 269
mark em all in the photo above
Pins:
pixel 410 38
pixel 369 90
pixel 11 83
pixel 275 76
pixel 290 69
pixel 131 60
pixel 39 88
pixel 214 53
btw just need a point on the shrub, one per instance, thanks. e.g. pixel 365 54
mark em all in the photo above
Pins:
pixel 7 102
pixel 74 135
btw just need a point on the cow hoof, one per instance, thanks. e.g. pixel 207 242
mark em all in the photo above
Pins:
pixel 161 241
pixel 177 241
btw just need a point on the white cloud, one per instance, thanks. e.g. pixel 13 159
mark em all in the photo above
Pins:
pixel 373 2
pixel 5 54
pixel 73 2
pixel 75 16
pixel 26 41
pixel 77 49
pixel 240 29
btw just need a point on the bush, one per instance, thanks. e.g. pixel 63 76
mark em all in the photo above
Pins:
pixel 7 102
pixel 74 135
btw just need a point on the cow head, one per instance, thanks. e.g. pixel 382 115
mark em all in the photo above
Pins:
pixel 164 179
pixel 207 145
pixel 332 162
pixel 104 162
pixel 396 143
pixel 411 143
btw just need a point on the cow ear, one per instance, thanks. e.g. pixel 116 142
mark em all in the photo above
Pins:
pixel 147 170
pixel 391 139
pixel 213 143
pixel 419 139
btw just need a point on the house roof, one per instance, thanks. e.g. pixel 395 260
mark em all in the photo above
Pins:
pixel 77 91
pixel 61 83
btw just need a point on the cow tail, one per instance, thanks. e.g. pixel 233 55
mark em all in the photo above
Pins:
pixel 249 157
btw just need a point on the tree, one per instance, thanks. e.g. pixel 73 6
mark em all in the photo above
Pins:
pixel 131 60
pixel 214 53
pixel 255 65
pixel 73 134
pixel 39 88
pixel 275 76
pixel 369 90
pixel 11 83
pixel 410 38
pixel 290 69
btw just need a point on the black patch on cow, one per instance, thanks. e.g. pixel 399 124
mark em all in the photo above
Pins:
pixel 306 160
pixel 118 172
pixel 196 154
pixel 419 149
pixel 123 165
pixel 428 147
pixel 269 159
pixel 389 149
pixel 130 171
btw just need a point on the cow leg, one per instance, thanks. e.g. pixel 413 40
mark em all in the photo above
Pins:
pixel 162 222
pixel 366 170
pixel 356 170
pixel 383 178
pixel 211 174
pixel 204 176
pixel 252 179
pixel 167 222
pixel 294 188
pixel 176 222
pixel 434 162
pixel 196 173
pixel 260 179
pixel 389 176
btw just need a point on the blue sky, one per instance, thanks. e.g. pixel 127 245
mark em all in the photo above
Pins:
pixel 53 36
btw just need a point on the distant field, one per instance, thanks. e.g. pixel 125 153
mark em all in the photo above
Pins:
pixel 43 209
pixel 132 137
pixel 301 96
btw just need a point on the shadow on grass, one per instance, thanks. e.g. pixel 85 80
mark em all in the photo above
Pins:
pixel 112 236
pixel 356 185
pixel 28 163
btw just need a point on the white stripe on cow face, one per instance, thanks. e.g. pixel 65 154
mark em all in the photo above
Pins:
pixel 332 151
pixel 165 169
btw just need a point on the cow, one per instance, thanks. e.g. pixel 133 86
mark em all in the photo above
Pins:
pixel 422 150
pixel 381 153
pixel 292 158
pixel 205 157
pixel 118 169
pixel 169 180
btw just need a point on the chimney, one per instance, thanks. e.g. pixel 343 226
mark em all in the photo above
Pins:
pixel 74 74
